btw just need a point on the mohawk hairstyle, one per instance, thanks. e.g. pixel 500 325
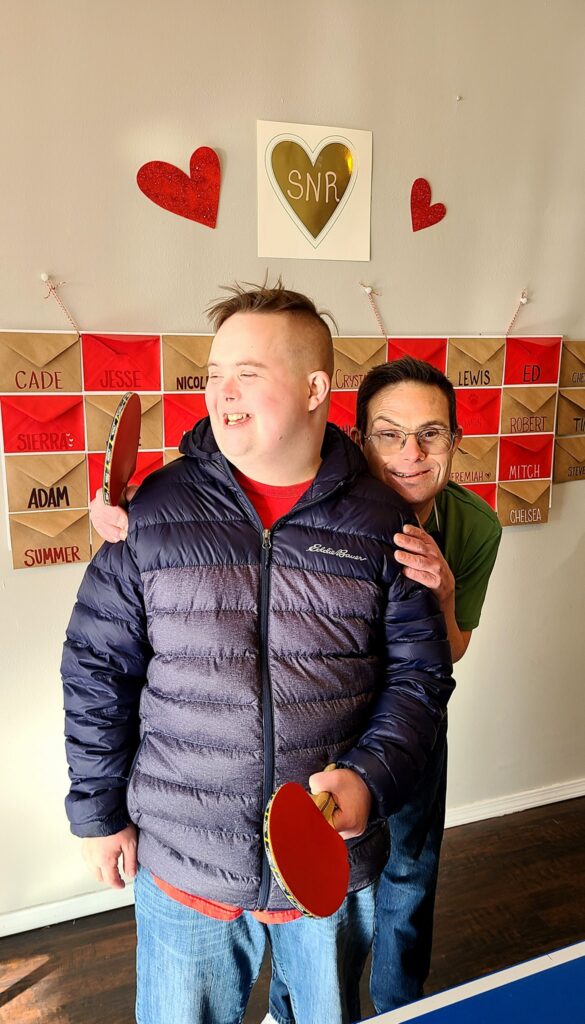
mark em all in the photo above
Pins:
pixel 259 298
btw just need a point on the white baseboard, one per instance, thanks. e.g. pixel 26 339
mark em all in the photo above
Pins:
pixel 110 899
pixel 514 802
pixel 65 910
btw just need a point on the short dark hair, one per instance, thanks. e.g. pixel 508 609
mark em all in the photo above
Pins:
pixel 278 299
pixel 402 371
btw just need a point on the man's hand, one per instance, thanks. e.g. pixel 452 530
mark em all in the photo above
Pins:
pixel 352 797
pixel 110 521
pixel 102 854
pixel 424 563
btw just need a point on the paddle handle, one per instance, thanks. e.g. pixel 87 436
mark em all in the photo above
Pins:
pixel 324 800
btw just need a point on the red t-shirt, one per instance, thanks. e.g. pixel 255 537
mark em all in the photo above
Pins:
pixel 270 503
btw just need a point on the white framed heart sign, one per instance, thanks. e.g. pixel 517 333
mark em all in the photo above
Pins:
pixel 314 191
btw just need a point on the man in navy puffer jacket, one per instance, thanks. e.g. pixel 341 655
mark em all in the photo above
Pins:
pixel 254 627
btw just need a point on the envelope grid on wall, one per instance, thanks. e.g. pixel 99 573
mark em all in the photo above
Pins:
pixel 507 388
pixel 58 394
pixel 569 459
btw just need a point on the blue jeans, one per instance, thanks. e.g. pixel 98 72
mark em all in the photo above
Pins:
pixel 192 969
pixel 405 903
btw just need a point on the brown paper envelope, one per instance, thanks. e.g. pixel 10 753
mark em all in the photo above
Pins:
pixel 475 461
pixel 528 410
pixel 523 504
pixel 572 364
pixel 46 481
pixel 569 460
pixel 476 362
pixel 49 538
pixel 354 357
pixel 95 540
pixel 571 411
pixel 170 454
pixel 185 361
pixel 39 362
pixel 99 410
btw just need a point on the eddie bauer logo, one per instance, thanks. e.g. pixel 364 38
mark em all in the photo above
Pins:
pixel 340 553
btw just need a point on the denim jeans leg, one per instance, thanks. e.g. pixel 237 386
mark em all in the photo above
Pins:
pixel 192 969
pixel 278 999
pixel 319 962
pixel 403 927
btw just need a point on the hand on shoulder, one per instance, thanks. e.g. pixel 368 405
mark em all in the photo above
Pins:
pixel 423 562
pixel 110 521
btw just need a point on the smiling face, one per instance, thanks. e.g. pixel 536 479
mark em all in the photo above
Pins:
pixel 417 477
pixel 267 410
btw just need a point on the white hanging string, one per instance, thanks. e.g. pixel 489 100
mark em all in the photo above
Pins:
pixel 522 302
pixel 370 293
pixel 52 286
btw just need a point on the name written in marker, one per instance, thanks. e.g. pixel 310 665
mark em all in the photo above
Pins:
pixel 470 378
pixel 51 556
pixel 45 441
pixel 529 471
pixel 525 515
pixel 191 383
pixel 130 380
pixel 38 380
pixel 48 497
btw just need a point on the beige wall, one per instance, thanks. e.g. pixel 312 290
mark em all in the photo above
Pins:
pixel 89 92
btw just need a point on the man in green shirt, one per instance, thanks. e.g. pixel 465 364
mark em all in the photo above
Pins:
pixel 407 428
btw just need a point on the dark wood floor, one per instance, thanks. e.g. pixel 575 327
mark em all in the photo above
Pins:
pixel 510 889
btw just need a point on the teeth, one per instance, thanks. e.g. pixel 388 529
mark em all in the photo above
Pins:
pixel 235 417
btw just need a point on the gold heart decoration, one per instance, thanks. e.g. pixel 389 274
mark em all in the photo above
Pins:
pixel 313 190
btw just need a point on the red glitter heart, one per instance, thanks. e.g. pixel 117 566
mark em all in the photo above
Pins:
pixel 423 214
pixel 195 197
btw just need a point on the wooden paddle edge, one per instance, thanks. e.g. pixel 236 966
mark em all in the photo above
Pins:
pixel 125 399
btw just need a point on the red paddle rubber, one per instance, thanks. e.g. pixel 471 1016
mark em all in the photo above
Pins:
pixel 307 856
pixel 121 448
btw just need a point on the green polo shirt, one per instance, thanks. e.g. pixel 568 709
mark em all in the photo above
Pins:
pixel 468 533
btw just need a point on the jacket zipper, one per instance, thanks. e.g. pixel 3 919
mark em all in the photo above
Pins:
pixel 267 711
pixel 267 715
pixel 267 707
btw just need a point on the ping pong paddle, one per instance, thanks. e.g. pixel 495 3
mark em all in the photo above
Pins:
pixel 121 448
pixel 308 858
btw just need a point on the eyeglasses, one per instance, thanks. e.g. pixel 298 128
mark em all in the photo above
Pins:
pixel 431 440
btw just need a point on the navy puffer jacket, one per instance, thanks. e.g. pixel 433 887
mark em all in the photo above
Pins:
pixel 208 660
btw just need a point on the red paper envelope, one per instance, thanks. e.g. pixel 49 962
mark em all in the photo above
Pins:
pixel 532 360
pixel 478 410
pixel 121 362
pixel 526 457
pixel 181 413
pixel 431 350
pixel 342 409
pixel 486 491
pixel 43 423
pixel 146 463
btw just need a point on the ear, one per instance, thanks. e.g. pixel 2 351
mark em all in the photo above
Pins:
pixel 356 437
pixel 319 387
pixel 458 437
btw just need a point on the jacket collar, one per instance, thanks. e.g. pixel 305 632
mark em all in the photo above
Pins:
pixel 341 458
